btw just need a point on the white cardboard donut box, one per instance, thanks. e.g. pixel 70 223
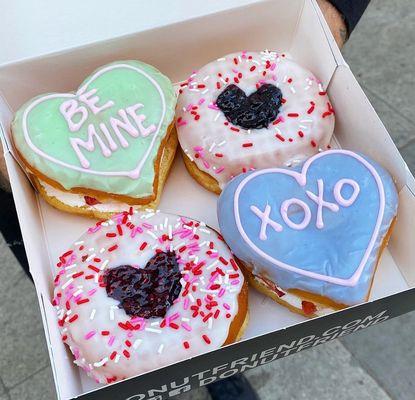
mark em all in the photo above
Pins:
pixel 294 26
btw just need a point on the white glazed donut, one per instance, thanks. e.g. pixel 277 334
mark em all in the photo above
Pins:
pixel 113 338
pixel 301 126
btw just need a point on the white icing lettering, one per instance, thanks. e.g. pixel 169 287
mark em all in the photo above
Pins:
pixel 139 119
pixel 126 125
pixel 69 109
pixel 91 101
pixel 319 200
pixel 265 221
pixel 284 213
pixel 89 145
pixel 338 189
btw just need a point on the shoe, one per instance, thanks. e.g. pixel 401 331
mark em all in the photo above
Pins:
pixel 236 387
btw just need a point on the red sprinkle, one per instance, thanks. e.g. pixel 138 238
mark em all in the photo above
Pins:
pixel 223 261
pixel 126 353
pixel 206 339
pixel 278 136
pixel 143 245
pixel 73 318
pixel 186 345
pixel 313 143
pixel 112 248
pixel 93 268
pixel 300 133
pixel 83 301
pixel 249 144
pixel 113 355
pixel 253 68
pixel 293 115
pixel 119 229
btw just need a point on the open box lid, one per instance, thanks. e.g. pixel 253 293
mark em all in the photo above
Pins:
pixel 185 45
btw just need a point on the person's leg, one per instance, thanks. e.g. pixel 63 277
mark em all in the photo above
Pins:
pixel 10 229
pixel 237 387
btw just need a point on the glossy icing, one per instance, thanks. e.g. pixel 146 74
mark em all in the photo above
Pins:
pixel 106 136
pixel 304 124
pixel 110 345
pixel 329 245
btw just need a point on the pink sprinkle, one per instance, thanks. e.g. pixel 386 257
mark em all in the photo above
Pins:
pixel 181 262
pixel 274 77
pixel 213 255
pixel 89 335
pixel 262 81
pixel 213 106
pixel 174 316
pixel 186 326
pixel 198 148
pixel 189 107
pixel 213 277
pixel 182 123
pixel 94 229
pixel 273 66
pixel 206 164
pixel 77 298
pixel 91 292
pixel 136 319
pixel 226 306
pixel 111 341
pixel 220 169
pixel 147 226
pixel 235 71
pixel 221 292
pixel 130 334
pixel 186 303
pixel 201 101
pixel 235 282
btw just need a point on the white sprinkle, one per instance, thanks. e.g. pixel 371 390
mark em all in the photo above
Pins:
pixel 166 221
pixel 303 127
pixel 112 316
pixel 185 319
pixel 104 264
pixel 214 264
pixel 285 79
pixel 101 363
pixel 307 87
pixel 151 234
pixel 221 59
pixel 190 296
pixel 102 250
pixel 177 225
pixel 306 121
pixel 206 78
pixel 137 343
pixel 67 283
pixel 205 91
pixel 187 227
pixel 223 81
pixel 170 232
pixel 212 147
pixel 155 227
pixel 184 109
pixel 80 242
pixel 69 312
pixel 161 227
pixel 153 330
pixel 70 267
pixel 90 257
pixel 204 230
pixel 320 87
pixel 208 290
pixel 216 117
pixel 160 350
pixel 226 279
pixel 155 323
pixel 210 323
pixel 92 316
pixel 79 291
pixel 221 143
pixel 179 245
pixel 194 90
pixel 292 89
pixel 256 62
pixel 117 358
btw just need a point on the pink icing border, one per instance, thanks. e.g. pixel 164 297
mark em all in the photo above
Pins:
pixel 301 178
pixel 135 173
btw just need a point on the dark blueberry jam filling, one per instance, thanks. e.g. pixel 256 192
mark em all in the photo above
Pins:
pixel 146 292
pixel 255 111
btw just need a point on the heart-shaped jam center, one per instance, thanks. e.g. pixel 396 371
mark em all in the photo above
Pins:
pixel 255 111
pixel 146 292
